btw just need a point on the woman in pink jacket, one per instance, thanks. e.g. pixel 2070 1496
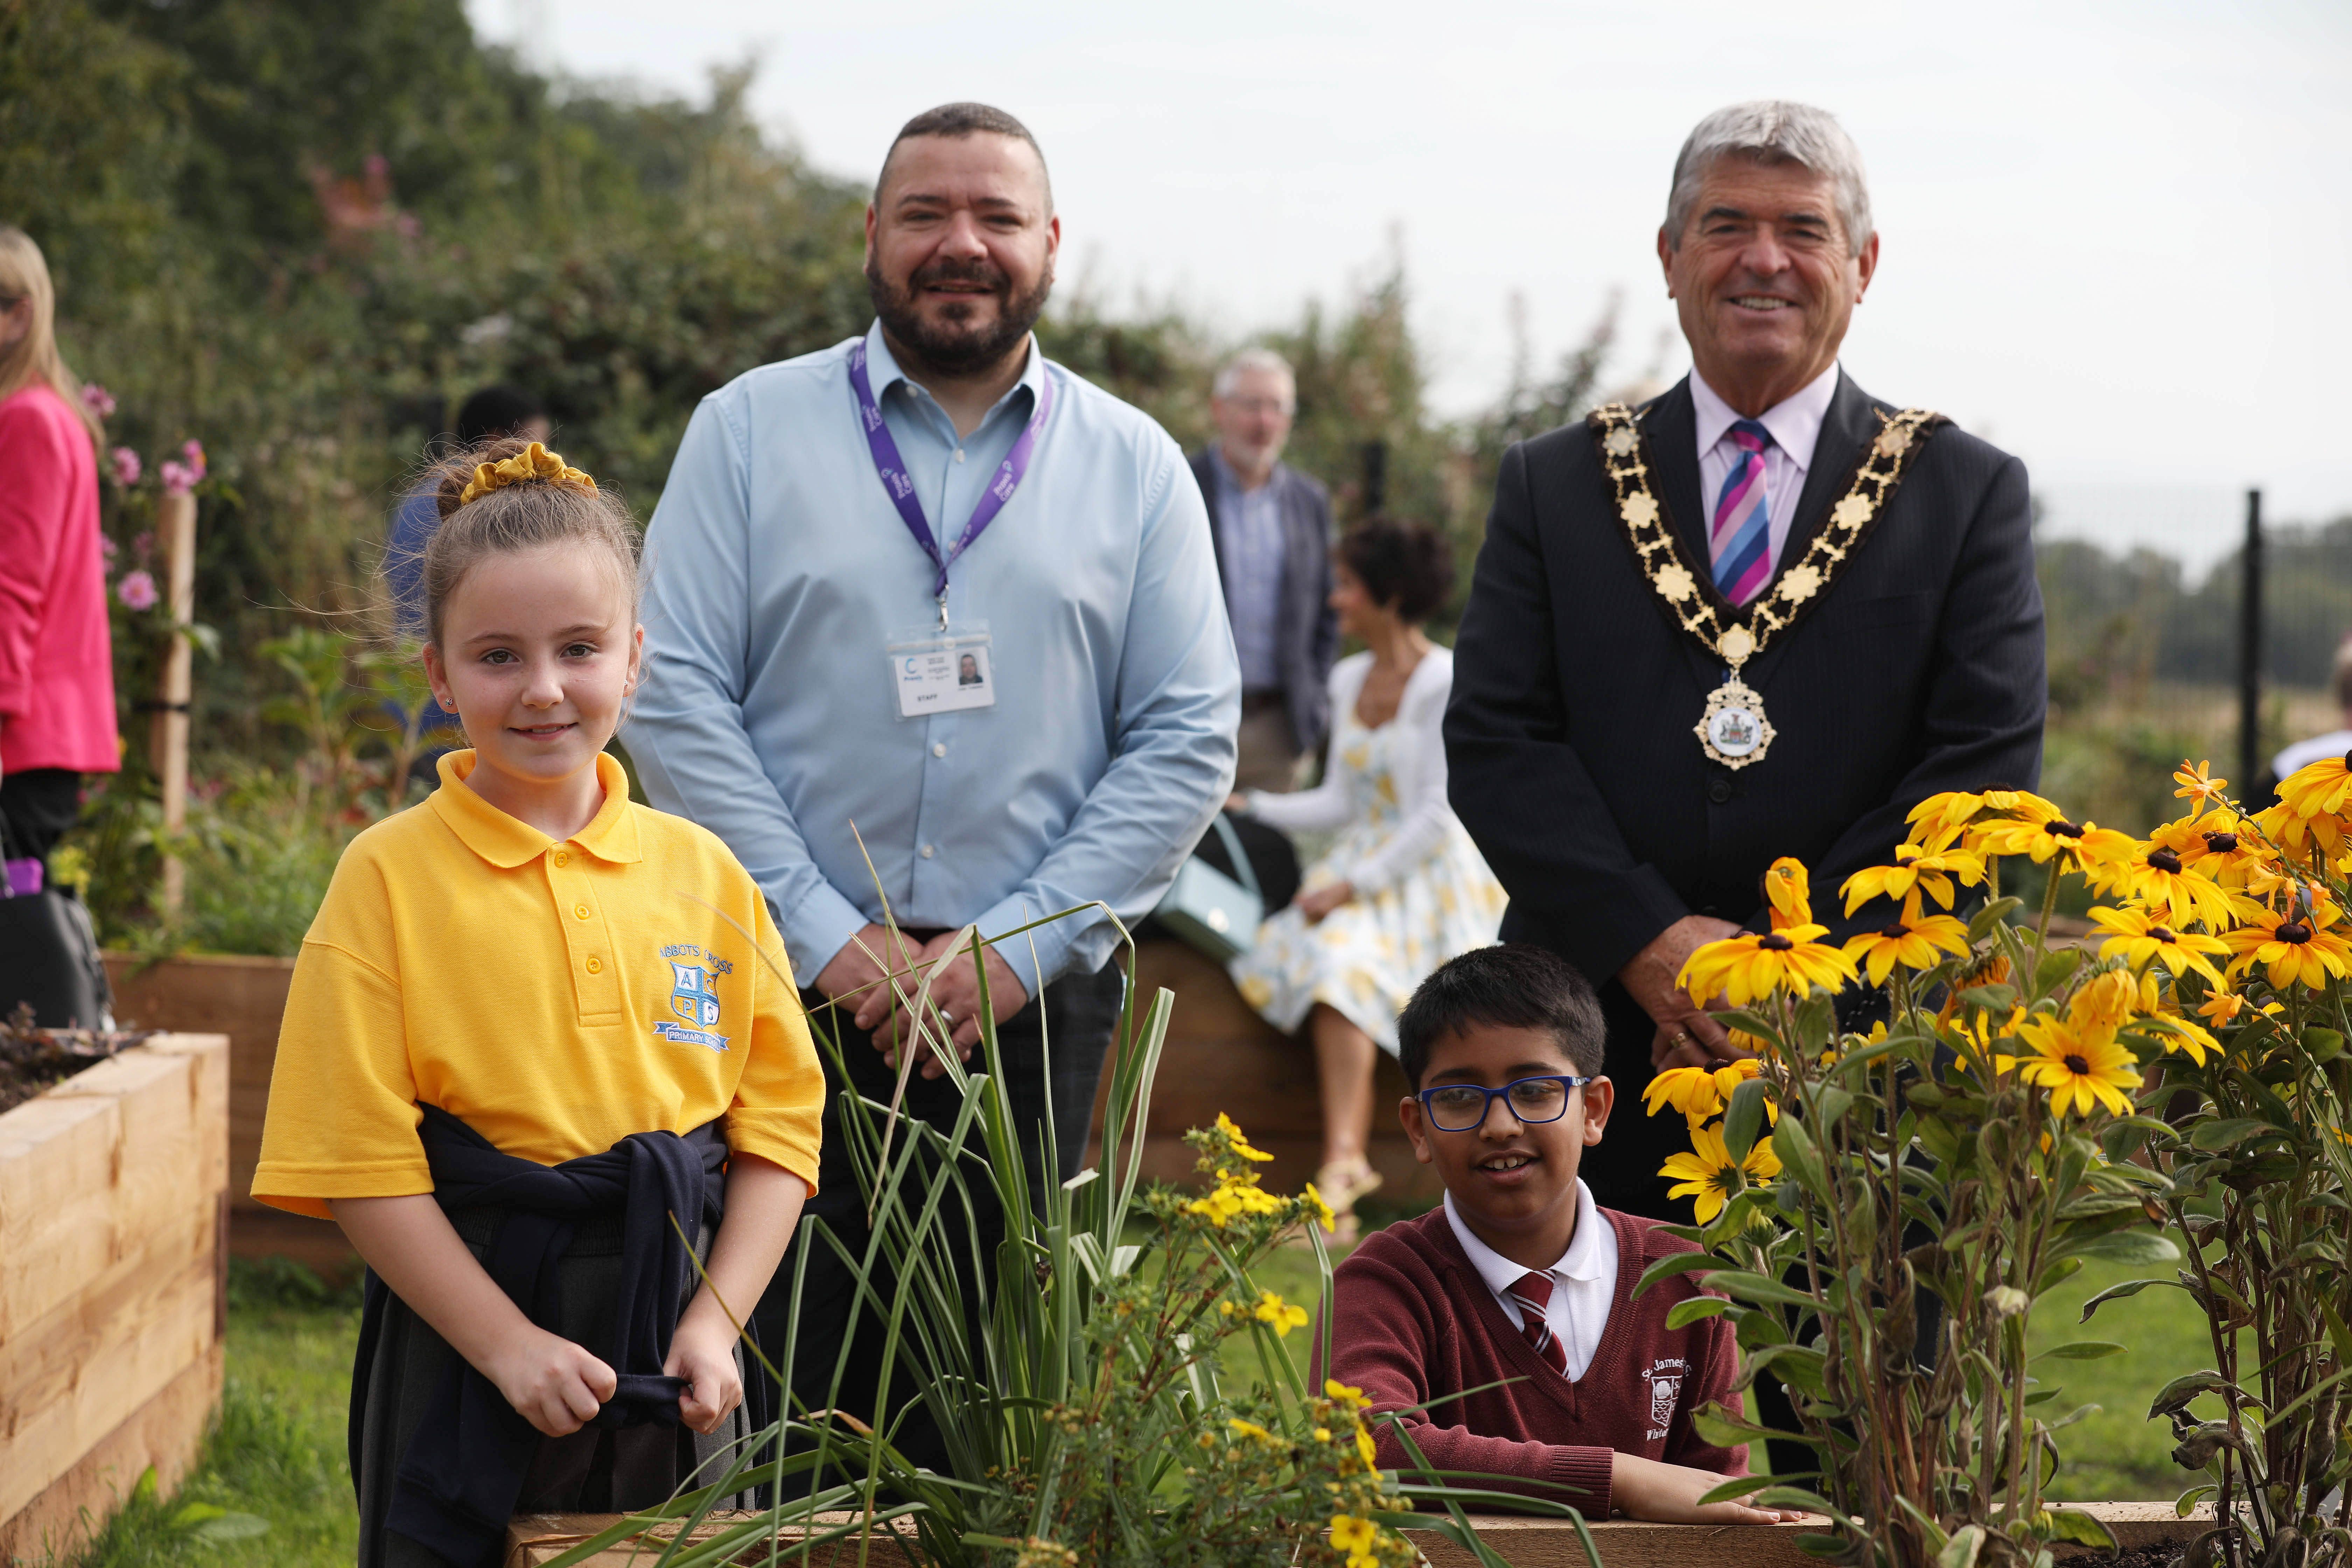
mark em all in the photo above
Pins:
pixel 56 661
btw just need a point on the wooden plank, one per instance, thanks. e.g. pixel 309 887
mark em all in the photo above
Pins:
pixel 79 1372
pixel 242 997
pixel 164 1433
pixel 57 1203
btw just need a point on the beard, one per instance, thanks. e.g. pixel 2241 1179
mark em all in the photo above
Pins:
pixel 956 344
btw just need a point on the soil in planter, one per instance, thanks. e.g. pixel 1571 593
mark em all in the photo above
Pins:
pixel 2167 1555
pixel 31 1059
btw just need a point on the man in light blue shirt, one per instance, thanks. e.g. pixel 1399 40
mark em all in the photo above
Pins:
pixel 785 586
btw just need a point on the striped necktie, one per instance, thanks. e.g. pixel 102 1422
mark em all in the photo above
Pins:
pixel 1740 545
pixel 1532 1291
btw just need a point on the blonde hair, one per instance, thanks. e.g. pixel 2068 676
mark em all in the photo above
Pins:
pixel 24 275
pixel 520 514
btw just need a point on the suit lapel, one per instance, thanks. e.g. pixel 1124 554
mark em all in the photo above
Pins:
pixel 1672 425
pixel 1849 423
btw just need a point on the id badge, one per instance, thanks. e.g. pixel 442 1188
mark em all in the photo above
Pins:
pixel 942 671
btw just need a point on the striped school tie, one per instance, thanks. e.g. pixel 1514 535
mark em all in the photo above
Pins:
pixel 1533 1293
pixel 1740 545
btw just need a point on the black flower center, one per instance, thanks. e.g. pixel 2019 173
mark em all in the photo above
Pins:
pixel 2348 760
pixel 2164 860
pixel 2293 931
pixel 1904 862
pixel 1895 932
pixel 2077 1064
pixel 1773 941
pixel 2064 829
pixel 2222 842
pixel 2161 934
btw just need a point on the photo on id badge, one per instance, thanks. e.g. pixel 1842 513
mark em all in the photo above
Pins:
pixel 942 672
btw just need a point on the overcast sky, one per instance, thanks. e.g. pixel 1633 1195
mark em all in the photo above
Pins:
pixel 2116 237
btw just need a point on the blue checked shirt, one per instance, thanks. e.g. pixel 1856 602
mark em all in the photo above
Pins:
pixel 1249 527
pixel 777 571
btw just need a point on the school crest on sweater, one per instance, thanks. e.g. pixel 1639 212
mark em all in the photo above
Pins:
pixel 694 996
pixel 1664 1377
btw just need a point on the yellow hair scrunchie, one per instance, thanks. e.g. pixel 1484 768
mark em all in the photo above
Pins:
pixel 533 462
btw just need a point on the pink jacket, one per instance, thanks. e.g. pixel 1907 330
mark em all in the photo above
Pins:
pixel 57 655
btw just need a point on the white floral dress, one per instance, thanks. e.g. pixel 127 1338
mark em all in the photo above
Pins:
pixel 1423 893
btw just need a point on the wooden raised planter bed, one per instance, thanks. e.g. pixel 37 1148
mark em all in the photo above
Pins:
pixel 536 1540
pixel 114 1282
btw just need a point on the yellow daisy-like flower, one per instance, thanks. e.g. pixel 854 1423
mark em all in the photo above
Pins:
pixel 2297 947
pixel 1916 941
pixel 2045 836
pixel 2180 1034
pixel 2138 936
pixel 1358 1538
pixel 2224 1008
pixel 1320 1210
pixel 1710 1176
pixel 2197 785
pixel 2319 789
pixel 2082 1069
pixel 2112 999
pixel 1241 1143
pixel 1915 871
pixel 1252 1429
pixel 1746 967
pixel 1353 1398
pixel 1940 820
pixel 2221 845
pixel 1788 890
pixel 2291 830
pixel 2157 875
pixel 1698 1093
pixel 1231 1200
pixel 1278 1314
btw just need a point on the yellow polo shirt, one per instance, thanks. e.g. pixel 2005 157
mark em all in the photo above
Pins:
pixel 555 996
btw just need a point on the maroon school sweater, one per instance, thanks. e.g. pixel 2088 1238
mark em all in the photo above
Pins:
pixel 1412 1322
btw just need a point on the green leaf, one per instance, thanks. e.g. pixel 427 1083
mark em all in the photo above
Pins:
pixel 2082 1350
pixel 1960 1550
pixel 1990 915
pixel 196 1513
pixel 1738 1487
pixel 1990 998
pixel 2211 1136
pixel 1798 1157
pixel 2174 1396
pixel 1683 1314
pixel 1727 1428
pixel 1755 1288
pixel 2074 1524
pixel 2188 1501
pixel 1797 1497
pixel 1823 1545
pixel 1673 1263
pixel 232 1527
pixel 2117 1292
pixel 1745 1117
pixel 2055 969
pixel 2134 1246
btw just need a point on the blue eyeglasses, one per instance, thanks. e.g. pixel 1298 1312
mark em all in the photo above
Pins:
pixel 1463 1107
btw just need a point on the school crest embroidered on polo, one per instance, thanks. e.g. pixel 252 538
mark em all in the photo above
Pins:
pixel 1664 1375
pixel 693 996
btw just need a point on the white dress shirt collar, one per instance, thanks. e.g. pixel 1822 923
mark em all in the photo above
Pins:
pixel 1795 421
pixel 1587 1253
pixel 884 372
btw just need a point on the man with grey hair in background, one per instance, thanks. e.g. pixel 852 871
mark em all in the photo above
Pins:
pixel 1766 614
pixel 1272 528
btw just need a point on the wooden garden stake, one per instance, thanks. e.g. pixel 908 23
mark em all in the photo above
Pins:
pixel 175 532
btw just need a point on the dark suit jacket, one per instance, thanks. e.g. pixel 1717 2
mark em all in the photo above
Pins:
pixel 1568 737
pixel 1306 633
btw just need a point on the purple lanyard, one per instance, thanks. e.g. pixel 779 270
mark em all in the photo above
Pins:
pixel 892 470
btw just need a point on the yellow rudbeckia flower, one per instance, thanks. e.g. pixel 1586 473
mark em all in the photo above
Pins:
pixel 1940 820
pixel 2042 834
pixel 2197 785
pixel 1915 941
pixel 1748 967
pixel 1710 1176
pixel 2080 1068
pixel 2157 876
pixel 1699 1093
pixel 1916 870
pixel 2139 938
pixel 2297 947
pixel 2319 789
pixel 1788 890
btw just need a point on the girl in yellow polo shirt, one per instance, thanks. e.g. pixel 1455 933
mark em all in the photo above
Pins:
pixel 532 1023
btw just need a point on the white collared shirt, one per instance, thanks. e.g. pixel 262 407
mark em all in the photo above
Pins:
pixel 1584 1282
pixel 1796 425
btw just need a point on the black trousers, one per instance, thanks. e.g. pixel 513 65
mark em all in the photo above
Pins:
pixel 38 807
pixel 1073 1021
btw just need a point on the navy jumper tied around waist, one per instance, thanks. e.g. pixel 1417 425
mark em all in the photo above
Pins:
pixel 465 1467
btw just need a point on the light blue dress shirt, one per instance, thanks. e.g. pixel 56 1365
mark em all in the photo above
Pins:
pixel 777 571
pixel 1249 534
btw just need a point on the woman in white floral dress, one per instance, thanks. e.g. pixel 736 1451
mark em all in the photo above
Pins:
pixel 1404 889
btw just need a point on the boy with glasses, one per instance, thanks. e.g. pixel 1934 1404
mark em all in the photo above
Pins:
pixel 1519 1280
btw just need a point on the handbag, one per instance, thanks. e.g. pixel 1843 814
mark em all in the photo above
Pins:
pixel 1210 913
pixel 48 953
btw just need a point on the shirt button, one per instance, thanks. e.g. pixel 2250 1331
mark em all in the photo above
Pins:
pixel 561 858
pixel 595 965
pixel 930 850
pixel 1719 791
pixel 580 909
pixel 958 454
pixel 938 748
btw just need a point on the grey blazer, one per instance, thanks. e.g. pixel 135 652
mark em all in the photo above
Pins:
pixel 1306 633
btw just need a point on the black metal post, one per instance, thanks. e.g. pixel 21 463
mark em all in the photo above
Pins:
pixel 2249 650
pixel 1376 477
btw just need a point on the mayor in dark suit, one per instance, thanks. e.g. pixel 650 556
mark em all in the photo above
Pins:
pixel 1272 528
pixel 1840 594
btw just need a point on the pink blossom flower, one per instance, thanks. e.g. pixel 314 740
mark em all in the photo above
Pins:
pixel 108 548
pixel 178 478
pixel 126 467
pixel 193 454
pixel 137 590
pixel 141 544
pixel 98 400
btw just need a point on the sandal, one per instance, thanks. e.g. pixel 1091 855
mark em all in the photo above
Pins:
pixel 1341 1182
